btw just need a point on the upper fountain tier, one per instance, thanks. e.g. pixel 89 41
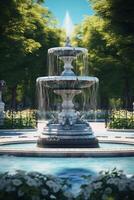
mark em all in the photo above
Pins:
pixel 67 51
pixel 67 79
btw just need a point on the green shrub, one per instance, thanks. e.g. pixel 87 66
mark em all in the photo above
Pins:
pixel 121 120
pixel 122 123
pixel 20 119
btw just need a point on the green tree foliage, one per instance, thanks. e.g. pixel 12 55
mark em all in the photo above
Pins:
pixel 109 37
pixel 119 26
pixel 27 30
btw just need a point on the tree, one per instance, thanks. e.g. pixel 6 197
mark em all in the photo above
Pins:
pixel 27 31
pixel 109 37
pixel 118 16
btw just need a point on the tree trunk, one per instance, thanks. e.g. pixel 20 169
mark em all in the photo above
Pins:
pixel 126 91
pixel 13 99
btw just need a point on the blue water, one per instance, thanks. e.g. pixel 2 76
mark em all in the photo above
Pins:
pixel 72 168
pixel 66 166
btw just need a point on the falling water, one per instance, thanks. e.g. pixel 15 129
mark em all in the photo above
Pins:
pixel 50 103
pixel 55 64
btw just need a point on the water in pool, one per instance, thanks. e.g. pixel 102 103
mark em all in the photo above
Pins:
pixel 66 166
pixel 73 168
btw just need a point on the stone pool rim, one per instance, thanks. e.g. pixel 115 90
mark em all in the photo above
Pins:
pixel 67 152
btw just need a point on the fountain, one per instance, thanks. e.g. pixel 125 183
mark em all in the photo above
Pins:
pixel 62 95
pixel 67 128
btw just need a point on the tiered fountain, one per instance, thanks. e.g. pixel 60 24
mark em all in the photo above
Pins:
pixel 67 128
pixel 61 124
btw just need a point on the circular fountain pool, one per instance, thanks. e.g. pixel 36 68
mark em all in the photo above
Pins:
pixel 52 160
pixel 27 147
pixel 65 167
pixel 73 168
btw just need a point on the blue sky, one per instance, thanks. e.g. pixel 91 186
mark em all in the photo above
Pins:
pixel 77 9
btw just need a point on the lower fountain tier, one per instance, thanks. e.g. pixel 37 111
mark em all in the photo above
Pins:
pixel 75 136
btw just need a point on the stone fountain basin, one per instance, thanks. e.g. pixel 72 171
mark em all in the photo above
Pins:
pixel 67 51
pixel 67 82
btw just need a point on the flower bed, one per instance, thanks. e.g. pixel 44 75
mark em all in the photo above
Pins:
pixel 108 186
pixel 19 119
pixel 36 186
pixel 32 186
pixel 122 119
pixel 121 123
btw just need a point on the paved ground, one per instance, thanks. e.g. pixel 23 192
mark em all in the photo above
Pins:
pixel 98 128
pixel 17 132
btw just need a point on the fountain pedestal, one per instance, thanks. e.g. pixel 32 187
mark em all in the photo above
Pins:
pixel 79 135
pixel 70 131
pixel 68 113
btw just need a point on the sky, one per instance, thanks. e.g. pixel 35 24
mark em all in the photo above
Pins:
pixel 76 8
